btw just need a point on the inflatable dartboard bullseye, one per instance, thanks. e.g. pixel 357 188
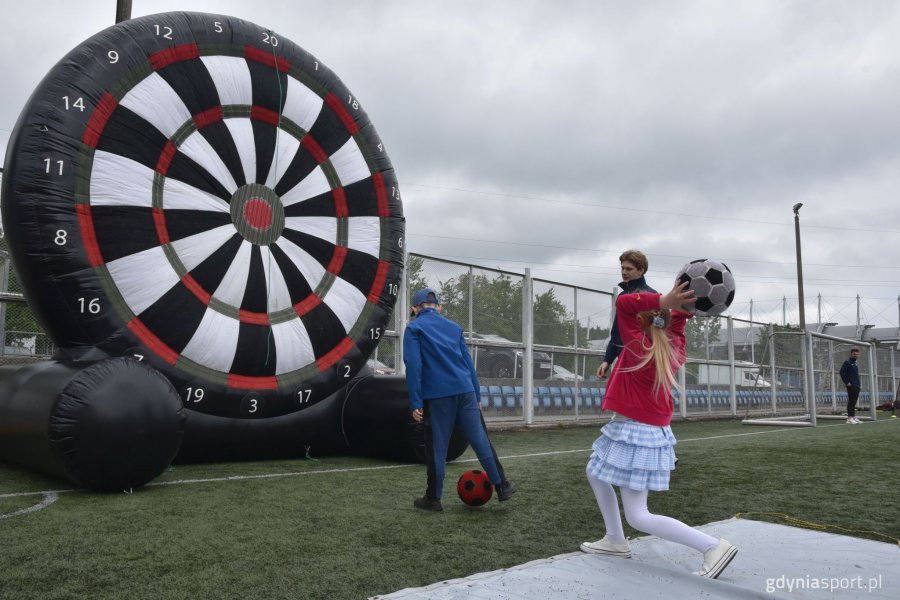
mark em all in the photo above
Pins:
pixel 200 193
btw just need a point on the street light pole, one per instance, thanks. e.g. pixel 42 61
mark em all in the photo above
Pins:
pixel 123 10
pixel 806 358
pixel 799 265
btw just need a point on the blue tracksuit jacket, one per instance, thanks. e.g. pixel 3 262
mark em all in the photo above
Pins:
pixel 437 360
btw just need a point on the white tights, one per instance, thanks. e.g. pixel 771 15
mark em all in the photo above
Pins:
pixel 635 505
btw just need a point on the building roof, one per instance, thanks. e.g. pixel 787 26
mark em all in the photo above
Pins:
pixel 744 336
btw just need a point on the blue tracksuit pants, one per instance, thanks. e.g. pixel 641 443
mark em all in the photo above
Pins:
pixel 443 414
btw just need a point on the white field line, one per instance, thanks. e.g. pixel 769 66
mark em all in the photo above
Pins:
pixel 400 466
pixel 49 498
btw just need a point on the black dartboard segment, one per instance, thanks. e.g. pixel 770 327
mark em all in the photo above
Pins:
pixel 199 192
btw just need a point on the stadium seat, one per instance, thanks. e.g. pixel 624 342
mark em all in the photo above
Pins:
pixel 692 397
pixel 485 397
pixel 496 396
pixel 586 401
pixel 568 397
pixel 509 396
pixel 519 392
pixel 719 399
pixel 725 399
pixel 556 397
pixel 596 397
pixel 543 394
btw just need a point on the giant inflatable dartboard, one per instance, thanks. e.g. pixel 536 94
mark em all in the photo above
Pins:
pixel 201 193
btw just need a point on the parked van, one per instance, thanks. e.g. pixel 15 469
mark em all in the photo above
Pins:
pixel 746 374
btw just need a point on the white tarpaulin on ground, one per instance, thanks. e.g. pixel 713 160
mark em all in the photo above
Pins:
pixel 773 561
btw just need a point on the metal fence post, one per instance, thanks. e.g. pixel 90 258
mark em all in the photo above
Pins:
pixel 403 317
pixel 810 378
pixel 893 377
pixel 833 379
pixel 873 381
pixel 471 303
pixel 732 388
pixel 528 337
pixel 577 398
pixel 771 344
pixel 4 287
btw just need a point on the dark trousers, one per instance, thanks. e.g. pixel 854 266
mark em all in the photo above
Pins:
pixel 435 465
pixel 852 397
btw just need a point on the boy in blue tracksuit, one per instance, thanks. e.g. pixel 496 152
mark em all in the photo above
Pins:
pixel 445 393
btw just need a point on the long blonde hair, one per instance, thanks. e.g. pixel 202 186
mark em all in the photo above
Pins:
pixel 665 357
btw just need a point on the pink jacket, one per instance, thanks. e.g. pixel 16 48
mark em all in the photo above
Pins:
pixel 632 393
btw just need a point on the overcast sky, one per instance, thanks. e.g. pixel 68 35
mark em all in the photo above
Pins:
pixel 555 135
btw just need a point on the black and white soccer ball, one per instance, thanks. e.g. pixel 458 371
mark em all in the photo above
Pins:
pixel 712 284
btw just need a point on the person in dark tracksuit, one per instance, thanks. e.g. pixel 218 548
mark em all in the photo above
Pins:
pixel 850 376
pixel 634 266
pixel 444 393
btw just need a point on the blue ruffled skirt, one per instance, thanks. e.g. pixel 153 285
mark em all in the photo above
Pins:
pixel 633 455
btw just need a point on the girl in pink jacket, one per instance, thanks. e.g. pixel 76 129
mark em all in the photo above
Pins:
pixel 635 449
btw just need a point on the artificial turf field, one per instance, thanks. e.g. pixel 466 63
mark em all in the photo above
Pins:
pixel 344 527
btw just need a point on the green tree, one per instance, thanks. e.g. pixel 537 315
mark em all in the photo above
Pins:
pixel 552 321
pixel 415 269
pixel 788 346
pixel 698 332
pixel 497 303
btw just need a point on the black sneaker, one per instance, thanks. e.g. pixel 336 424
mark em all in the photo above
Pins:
pixel 505 491
pixel 426 503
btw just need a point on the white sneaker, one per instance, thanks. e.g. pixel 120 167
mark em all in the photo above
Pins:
pixel 857 421
pixel 605 546
pixel 851 421
pixel 715 560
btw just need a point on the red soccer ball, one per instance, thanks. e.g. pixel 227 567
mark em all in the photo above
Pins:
pixel 474 487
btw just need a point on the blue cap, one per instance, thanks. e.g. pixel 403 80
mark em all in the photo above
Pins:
pixel 423 296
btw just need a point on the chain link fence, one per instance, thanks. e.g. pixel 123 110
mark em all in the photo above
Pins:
pixel 23 339
pixel 734 367
pixel 537 346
